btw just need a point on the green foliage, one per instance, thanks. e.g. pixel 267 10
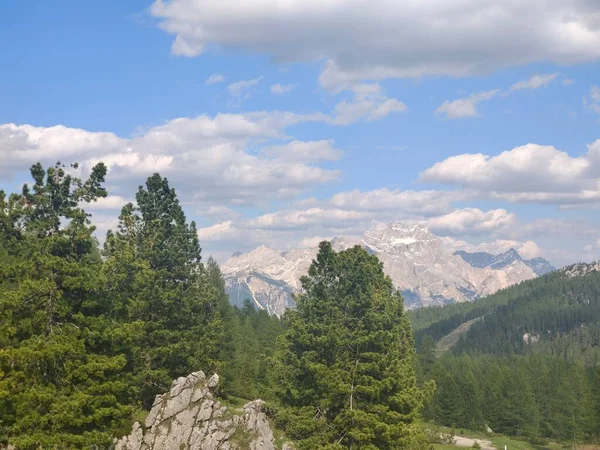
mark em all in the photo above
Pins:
pixel 541 387
pixel 252 337
pixel 154 270
pixel 344 371
pixel 87 339
pixel 560 313
pixel 59 378
pixel 534 396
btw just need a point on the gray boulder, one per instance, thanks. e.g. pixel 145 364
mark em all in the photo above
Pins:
pixel 189 418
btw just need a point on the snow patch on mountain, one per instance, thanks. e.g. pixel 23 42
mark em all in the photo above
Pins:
pixel 418 262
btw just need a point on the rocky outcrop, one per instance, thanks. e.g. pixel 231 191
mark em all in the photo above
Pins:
pixel 581 269
pixel 189 418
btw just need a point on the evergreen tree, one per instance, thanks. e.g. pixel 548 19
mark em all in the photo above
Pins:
pixel 60 384
pixel 426 356
pixel 163 289
pixel 344 366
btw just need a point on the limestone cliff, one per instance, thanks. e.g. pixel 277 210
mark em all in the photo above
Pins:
pixel 189 418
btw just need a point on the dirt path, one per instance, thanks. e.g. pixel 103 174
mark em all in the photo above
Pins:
pixel 468 442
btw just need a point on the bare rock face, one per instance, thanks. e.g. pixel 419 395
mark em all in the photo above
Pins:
pixel 421 265
pixel 189 418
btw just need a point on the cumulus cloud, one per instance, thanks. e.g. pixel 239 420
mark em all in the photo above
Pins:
pixel 389 38
pixel 465 107
pixel 472 221
pixel 535 82
pixel 592 99
pixel 215 78
pixel 529 173
pixel 219 231
pixel 220 213
pixel 21 145
pixel 281 89
pixel 111 202
pixel 210 158
pixel 398 202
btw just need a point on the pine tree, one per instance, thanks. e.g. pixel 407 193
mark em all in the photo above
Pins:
pixel 60 384
pixel 426 356
pixel 155 273
pixel 344 366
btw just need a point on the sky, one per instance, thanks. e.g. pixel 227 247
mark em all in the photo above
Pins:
pixel 285 122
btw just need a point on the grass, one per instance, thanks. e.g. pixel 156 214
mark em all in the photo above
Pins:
pixel 512 443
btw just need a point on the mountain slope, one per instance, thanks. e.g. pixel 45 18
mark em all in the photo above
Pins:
pixel 483 259
pixel 418 262
pixel 557 314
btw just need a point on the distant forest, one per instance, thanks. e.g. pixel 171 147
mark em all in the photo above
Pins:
pixel 529 364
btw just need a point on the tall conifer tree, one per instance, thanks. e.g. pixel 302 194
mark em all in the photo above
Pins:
pixel 59 378
pixel 345 364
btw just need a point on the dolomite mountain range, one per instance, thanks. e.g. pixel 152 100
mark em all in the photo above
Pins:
pixel 419 263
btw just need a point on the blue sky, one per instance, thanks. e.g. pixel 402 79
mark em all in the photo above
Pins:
pixel 326 117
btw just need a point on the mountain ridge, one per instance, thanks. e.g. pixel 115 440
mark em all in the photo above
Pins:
pixel 419 263
pixel 484 259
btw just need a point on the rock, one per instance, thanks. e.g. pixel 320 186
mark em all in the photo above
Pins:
pixel 214 381
pixel 188 417
pixel 426 268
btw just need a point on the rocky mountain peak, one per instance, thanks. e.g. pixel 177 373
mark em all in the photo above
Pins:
pixel 417 261
pixel 498 262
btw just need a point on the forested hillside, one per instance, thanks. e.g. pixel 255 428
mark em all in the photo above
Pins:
pixel 526 360
pixel 91 335
pixel 558 314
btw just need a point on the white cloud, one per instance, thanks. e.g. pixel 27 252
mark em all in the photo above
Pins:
pixel 215 78
pixel 111 202
pixel 241 90
pixel 592 99
pixel 472 221
pixel 219 212
pixel 465 107
pixel 527 173
pixel 281 89
pixel 390 38
pixel 22 145
pixel 398 202
pixel 300 219
pixel 219 231
pixel 527 249
pixel 535 82
pixel 207 158
pixel 368 102
pixel 312 151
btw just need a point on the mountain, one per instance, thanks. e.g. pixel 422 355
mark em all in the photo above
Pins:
pixel 483 259
pixel 419 263
pixel 557 314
